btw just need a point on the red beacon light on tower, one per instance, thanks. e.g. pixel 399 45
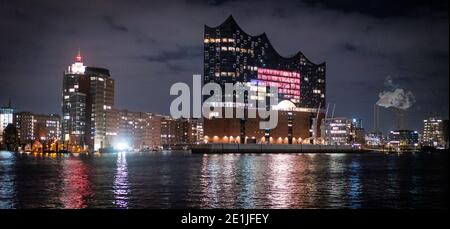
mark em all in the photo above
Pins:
pixel 77 67
pixel 78 57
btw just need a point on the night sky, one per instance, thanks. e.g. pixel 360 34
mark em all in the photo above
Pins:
pixel 149 45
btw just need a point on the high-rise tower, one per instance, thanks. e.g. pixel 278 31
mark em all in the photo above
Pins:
pixel 6 117
pixel 88 97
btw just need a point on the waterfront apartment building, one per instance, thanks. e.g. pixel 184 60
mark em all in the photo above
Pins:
pixel 374 138
pixel 169 131
pixel 403 139
pixel 233 56
pixel 6 117
pixel 192 130
pixel 88 99
pixel 358 131
pixel 337 131
pixel 139 130
pixel 32 127
pixel 180 132
pixel 343 131
pixel 435 133
pixel 359 135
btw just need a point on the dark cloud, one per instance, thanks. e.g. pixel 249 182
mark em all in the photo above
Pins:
pixel 384 8
pixel 110 21
pixel 149 45
pixel 178 54
pixel 349 47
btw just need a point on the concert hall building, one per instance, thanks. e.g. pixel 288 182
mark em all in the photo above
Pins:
pixel 231 55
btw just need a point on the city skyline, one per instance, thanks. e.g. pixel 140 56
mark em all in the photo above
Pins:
pixel 230 112
pixel 143 57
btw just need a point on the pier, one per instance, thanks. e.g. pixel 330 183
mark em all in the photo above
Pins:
pixel 215 148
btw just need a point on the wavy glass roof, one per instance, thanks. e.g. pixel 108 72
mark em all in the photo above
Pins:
pixel 231 25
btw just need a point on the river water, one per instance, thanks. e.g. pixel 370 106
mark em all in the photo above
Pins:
pixel 184 180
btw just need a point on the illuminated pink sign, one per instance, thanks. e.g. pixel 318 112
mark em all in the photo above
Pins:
pixel 288 83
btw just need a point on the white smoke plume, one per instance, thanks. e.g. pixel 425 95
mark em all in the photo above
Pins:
pixel 397 98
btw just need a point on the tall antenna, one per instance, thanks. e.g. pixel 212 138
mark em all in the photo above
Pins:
pixel 78 57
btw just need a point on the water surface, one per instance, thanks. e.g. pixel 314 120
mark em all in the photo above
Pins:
pixel 184 180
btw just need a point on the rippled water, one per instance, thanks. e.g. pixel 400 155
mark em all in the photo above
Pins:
pixel 184 180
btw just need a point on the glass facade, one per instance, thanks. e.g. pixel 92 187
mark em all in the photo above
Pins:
pixel 88 97
pixel 40 127
pixel 231 55
pixel 435 133
pixel 6 117
pixel 337 131
pixel 404 138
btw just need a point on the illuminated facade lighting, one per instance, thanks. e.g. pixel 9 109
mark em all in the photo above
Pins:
pixel 231 55
pixel 88 99
pixel 435 133
pixel 6 117
pixel 404 139
pixel 32 127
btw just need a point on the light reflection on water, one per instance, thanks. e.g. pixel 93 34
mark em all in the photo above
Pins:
pixel 120 187
pixel 355 184
pixel 247 178
pixel 182 180
pixel 281 177
pixel 76 188
pixel 7 180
